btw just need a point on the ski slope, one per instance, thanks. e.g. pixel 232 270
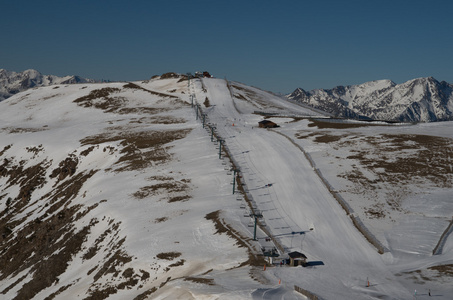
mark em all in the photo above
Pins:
pixel 297 201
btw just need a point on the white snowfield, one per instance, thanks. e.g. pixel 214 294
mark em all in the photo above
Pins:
pixel 298 210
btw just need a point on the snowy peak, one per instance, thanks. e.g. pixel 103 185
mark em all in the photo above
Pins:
pixel 12 82
pixel 417 100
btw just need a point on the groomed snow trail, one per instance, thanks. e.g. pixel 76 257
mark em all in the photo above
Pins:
pixel 297 201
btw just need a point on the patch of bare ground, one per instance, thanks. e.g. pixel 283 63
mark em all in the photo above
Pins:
pixel 160 220
pixel 6 148
pixel 110 101
pixel 409 157
pixel 177 264
pixel 28 179
pixel 443 270
pixel 114 270
pixel 101 99
pixel 441 273
pixel 131 85
pixel 337 125
pixel 35 150
pixel 327 138
pixel 46 244
pixel 168 255
pixel 221 227
pixel 206 102
pixel 139 150
pixel 67 167
pixel 174 189
pixel 164 119
pixel 52 238
pixel 395 160
pixel 145 295
pixel 22 129
pixel 179 198
pixel 208 281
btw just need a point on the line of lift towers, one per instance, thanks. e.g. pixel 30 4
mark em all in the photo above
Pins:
pixel 254 212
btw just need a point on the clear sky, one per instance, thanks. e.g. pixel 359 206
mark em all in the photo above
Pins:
pixel 274 45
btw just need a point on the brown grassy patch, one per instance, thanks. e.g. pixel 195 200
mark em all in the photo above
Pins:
pixel 444 270
pixel 28 179
pixel 409 157
pixel 66 168
pixel 179 198
pixel 104 101
pixel 327 138
pixel 168 255
pixel 131 85
pixel 144 296
pixel 207 281
pixel 206 102
pixel 22 129
pixel 241 241
pixel 166 120
pixel 109 100
pixel 160 220
pixel 35 150
pixel 441 273
pixel 162 188
pixel 139 149
pixel 36 240
pixel 337 125
pixel 177 264
pixel 391 162
pixel 87 151
pixel 169 75
pixel 6 148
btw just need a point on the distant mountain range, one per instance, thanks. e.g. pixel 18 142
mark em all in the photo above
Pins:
pixel 12 83
pixel 417 100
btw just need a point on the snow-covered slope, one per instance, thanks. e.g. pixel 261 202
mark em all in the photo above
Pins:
pixel 417 100
pixel 121 191
pixel 12 82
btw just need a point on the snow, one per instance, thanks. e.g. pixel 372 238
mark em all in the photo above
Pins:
pixel 297 206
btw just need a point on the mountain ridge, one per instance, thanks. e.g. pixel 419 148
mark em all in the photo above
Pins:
pixel 12 82
pixel 421 99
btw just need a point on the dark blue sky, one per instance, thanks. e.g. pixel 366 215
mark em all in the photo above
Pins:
pixel 274 45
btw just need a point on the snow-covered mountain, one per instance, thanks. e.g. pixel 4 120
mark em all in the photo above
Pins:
pixel 12 82
pixel 417 100
pixel 150 189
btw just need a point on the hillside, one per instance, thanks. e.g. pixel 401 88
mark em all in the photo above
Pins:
pixel 417 100
pixel 125 191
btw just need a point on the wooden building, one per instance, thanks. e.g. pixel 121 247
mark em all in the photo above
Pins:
pixel 267 124
pixel 297 259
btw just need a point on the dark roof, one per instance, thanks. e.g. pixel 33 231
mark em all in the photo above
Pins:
pixel 266 122
pixel 296 254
